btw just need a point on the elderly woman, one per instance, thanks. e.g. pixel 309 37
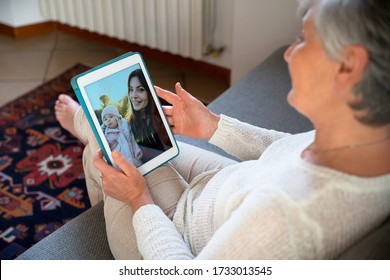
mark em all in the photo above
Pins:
pixel 304 196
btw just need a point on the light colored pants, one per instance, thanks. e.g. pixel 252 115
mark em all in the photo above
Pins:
pixel 166 185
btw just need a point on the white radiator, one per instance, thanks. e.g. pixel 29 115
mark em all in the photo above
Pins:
pixel 174 26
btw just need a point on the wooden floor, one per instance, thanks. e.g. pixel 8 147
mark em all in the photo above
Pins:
pixel 27 63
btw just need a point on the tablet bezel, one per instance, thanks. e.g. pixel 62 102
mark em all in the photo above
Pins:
pixel 111 68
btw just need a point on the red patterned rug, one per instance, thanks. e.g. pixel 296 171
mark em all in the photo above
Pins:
pixel 42 182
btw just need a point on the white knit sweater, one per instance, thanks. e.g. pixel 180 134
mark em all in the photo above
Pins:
pixel 273 205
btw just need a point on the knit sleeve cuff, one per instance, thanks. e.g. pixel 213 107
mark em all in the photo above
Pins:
pixel 223 132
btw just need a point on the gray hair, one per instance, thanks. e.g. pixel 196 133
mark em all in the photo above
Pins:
pixel 361 22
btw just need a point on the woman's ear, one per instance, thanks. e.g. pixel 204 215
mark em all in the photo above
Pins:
pixel 354 61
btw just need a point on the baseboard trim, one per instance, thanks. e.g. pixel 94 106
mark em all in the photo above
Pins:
pixel 26 31
pixel 217 72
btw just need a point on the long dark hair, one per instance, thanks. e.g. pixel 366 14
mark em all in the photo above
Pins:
pixel 146 123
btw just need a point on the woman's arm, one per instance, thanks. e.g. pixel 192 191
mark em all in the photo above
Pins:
pixel 189 117
pixel 243 140
pixel 261 227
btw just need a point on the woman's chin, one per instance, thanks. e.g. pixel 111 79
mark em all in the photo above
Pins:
pixel 294 102
pixel 138 106
pixel 291 98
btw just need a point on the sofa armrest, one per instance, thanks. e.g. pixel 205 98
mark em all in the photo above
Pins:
pixel 374 246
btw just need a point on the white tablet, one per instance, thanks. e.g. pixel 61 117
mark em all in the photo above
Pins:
pixel 125 114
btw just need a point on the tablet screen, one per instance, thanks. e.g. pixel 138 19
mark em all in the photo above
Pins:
pixel 127 115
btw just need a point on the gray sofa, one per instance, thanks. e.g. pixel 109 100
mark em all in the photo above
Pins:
pixel 258 98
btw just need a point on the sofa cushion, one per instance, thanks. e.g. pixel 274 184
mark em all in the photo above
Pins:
pixel 82 238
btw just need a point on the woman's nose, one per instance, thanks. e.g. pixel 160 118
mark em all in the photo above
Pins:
pixel 132 94
pixel 287 53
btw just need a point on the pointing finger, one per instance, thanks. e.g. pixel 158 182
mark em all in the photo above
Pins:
pixel 181 92
pixel 167 95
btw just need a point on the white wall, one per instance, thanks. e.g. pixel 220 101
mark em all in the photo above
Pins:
pixel 6 15
pixel 223 34
pixel 248 29
pixel 260 26
pixel 17 13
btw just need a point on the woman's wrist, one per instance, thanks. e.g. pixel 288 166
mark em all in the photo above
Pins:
pixel 139 201
pixel 213 125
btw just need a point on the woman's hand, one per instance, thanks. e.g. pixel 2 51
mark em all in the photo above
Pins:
pixel 128 185
pixel 188 116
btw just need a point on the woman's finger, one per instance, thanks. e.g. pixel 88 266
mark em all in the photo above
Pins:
pixel 101 164
pixel 168 96
pixel 174 130
pixel 126 167
pixel 168 110
pixel 170 121
pixel 182 93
